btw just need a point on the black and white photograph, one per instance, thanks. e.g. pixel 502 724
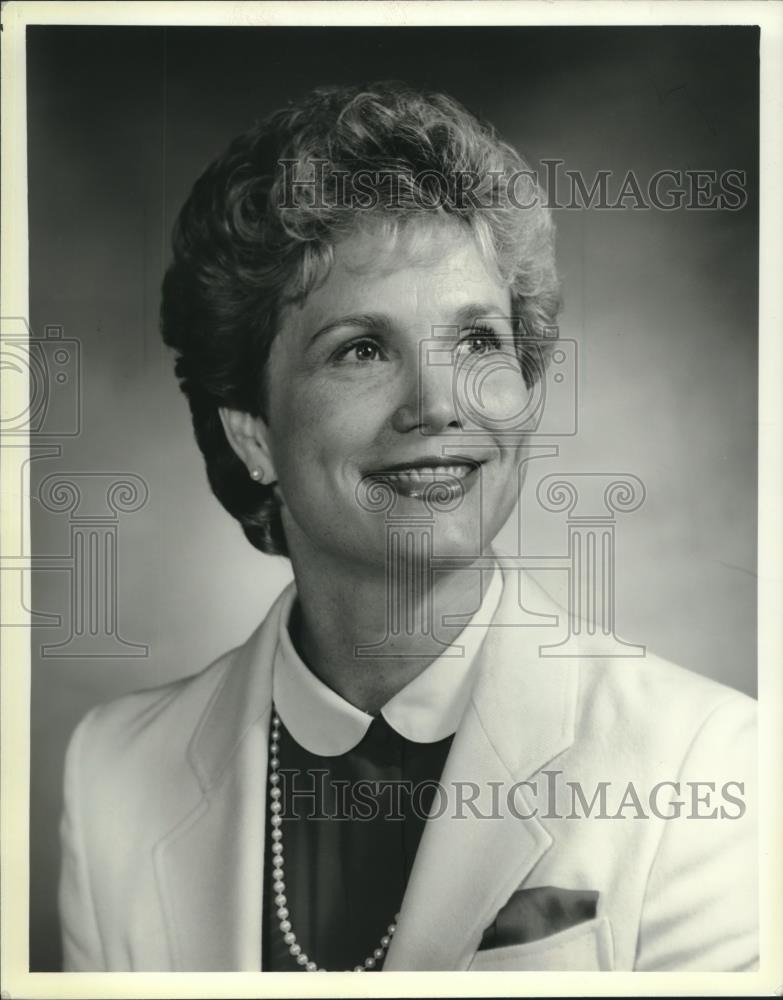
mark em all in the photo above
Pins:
pixel 390 548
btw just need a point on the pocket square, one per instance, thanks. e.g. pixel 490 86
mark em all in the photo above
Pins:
pixel 532 914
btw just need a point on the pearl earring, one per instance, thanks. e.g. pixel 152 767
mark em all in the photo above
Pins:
pixel 257 474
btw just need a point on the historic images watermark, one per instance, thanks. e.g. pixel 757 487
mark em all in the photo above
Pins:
pixel 318 184
pixel 313 794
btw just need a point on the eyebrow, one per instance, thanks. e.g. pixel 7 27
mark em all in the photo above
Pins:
pixel 382 322
pixel 365 321
pixel 480 310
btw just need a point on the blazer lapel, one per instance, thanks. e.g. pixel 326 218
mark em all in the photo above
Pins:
pixel 210 866
pixel 471 860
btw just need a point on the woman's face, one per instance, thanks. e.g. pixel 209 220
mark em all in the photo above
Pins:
pixel 399 369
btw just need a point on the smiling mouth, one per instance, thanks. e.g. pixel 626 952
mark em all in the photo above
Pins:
pixel 419 481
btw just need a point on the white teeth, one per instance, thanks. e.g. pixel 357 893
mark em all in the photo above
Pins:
pixel 429 474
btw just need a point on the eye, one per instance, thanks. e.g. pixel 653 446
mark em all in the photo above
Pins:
pixel 362 351
pixel 480 340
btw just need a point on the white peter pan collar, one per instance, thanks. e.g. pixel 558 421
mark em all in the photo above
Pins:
pixel 427 709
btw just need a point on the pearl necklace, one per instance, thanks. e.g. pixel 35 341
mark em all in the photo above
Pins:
pixel 278 873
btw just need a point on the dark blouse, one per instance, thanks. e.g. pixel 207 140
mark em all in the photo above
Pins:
pixel 351 826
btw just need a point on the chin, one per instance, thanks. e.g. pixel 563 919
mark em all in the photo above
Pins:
pixel 379 543
pixel 466 543
pixel 444 536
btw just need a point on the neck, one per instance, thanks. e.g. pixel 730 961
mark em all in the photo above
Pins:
pixel 342 610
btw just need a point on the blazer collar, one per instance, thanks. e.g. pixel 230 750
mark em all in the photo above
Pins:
pixel 526 701
pixel 521 716
pixel 244 696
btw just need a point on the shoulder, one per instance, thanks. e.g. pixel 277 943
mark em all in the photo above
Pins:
pixel 650 681
pixel 145 729
pixel 646 692
pixel 656 719
pixel 151 731
pixel 651 691
pixel 649 705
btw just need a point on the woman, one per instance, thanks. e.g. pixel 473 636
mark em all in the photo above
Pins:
pixel 387 774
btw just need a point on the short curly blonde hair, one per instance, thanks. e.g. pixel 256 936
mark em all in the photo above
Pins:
pixel 256 234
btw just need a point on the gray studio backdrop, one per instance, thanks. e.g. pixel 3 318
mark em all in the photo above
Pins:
pixel 662 304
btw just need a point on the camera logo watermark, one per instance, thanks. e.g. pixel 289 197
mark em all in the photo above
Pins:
pixel 548 365
pixel 45 375
pixel 49 370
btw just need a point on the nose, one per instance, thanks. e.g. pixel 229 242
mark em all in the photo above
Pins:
pixel 429 403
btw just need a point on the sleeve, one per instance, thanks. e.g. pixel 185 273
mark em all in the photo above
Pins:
pixel 700 910
pixel 82 950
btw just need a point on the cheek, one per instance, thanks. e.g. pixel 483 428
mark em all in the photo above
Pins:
pixel 494 395
pixel 323 426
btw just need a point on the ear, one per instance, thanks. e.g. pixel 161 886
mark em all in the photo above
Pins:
pixel 249 438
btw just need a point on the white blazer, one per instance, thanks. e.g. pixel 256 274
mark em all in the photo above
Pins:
pixel 165 806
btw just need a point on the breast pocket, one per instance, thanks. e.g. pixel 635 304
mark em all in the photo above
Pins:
pixel 586 947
